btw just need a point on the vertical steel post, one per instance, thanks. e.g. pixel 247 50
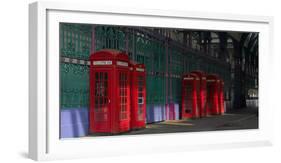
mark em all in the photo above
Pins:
pixel 190 40
pixel 166 71
pixel 127 40
pixel 134 46
pixel 170 54
pixel 93 43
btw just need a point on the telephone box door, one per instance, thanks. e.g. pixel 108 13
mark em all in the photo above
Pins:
pixel 141 98
pixel 101 103
pixel 138 101
pixel 189 99
pixel 221 97
pixel 202 93
pixel 124 100
pixel 213 95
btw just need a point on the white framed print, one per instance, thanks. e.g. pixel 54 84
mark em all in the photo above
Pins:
pixel 107 81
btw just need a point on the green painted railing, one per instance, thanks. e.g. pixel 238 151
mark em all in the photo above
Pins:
pixel 76 42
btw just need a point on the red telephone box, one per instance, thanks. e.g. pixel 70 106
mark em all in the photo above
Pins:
pixel 213 83
pixel 109 92
pixel 138 96
pixel 190 91
pixel 221 97
pixel 202 93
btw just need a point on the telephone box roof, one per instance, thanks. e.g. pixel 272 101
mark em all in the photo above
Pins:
pixel 111 54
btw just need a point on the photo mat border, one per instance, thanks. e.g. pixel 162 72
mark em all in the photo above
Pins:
pixel 41 140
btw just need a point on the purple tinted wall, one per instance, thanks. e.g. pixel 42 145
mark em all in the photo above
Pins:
pixel 74 122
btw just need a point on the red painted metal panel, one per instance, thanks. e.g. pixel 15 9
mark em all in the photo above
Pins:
pixel 221 97
pixel 138 95
pixel 202 95
pixel 190 91
pixel 109 92
pixel 213 83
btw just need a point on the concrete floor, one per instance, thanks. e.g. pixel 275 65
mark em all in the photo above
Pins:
pixel 246 118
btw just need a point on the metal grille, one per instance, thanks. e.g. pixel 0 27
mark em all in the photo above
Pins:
pixel 101 96
pixel 109 37
pixel 75 42
pixel 74 83
pixel 165 62
pixel 123 89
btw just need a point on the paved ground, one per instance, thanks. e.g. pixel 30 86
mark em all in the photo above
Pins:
pixel 246 118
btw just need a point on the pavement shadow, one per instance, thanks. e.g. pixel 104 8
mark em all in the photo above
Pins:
pixel 23 154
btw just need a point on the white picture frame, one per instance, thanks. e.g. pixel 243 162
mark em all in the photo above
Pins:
pixel 44 142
